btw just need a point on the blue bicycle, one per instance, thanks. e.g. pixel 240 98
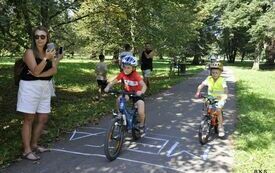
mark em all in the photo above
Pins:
pixel 123 122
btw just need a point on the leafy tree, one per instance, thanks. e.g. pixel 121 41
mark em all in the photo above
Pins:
pixel 242 27
pixel 20 16
pixel 169 25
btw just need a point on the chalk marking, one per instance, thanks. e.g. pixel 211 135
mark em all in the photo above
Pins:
pixel 204 156
pixel 178 153
pixel 171 149
pixel 168 136
pixel 150 145
pixel 163 146
pixel 160 139
pixel 72 135
pixel 184 151
pixel 85 136
pixel 98 128
pixel 119 158
pixel 140 151
pixel 96 146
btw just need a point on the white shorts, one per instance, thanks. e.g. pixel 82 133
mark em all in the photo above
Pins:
pixel 34 96
pixel 146 73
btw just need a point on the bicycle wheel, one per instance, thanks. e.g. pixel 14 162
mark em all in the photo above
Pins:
pixel 114 139
pixel 204 130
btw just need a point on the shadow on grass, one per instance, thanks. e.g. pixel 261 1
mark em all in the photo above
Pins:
pixel 256 119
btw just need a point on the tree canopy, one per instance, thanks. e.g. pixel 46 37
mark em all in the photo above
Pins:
pixel 180 27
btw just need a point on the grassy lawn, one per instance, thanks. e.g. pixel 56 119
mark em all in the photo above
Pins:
pixel 75 104
pixel 254 138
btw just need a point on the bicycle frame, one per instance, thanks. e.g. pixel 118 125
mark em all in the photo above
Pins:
pixel 128 113
pixel 211 112
pixel 123 122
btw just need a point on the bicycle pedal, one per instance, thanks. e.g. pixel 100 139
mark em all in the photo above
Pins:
pixel 116 137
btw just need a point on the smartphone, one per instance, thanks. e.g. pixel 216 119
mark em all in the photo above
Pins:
pixel 50 46
pixel 60 51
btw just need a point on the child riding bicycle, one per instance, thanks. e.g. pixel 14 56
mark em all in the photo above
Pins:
pixel 133 82
pixel 217 88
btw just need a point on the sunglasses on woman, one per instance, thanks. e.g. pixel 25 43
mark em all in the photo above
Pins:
pixel 40 36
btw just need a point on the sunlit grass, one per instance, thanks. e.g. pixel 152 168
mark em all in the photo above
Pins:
pixel 254 140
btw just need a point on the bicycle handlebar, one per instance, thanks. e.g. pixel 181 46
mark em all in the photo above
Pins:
pixel 131 93
pixel 211 99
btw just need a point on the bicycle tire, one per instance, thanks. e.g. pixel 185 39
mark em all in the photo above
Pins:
pixel 113 151
pixel 216 129
pixel 204 130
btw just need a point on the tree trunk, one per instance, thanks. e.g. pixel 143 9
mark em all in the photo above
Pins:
pixel 160 55
pixel 44 11
pixel 243 55
pixel 196 60
pixel 256 64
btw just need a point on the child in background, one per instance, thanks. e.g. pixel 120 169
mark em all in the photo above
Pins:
pixel 101 75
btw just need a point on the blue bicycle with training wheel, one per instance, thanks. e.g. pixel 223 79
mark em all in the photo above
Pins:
pixel 125 121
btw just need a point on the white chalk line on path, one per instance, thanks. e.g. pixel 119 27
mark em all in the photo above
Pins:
pixel 204 156
pixel 119 158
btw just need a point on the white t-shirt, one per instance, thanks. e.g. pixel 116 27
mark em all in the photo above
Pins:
pixel 101 71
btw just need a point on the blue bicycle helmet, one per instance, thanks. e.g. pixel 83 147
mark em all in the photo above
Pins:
pixel 129 60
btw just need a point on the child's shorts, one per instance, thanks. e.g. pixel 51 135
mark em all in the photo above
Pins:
pixel 137 98
pixel 102 84
pixel 220 104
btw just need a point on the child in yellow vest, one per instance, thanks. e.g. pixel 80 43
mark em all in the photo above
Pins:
pixel 217 88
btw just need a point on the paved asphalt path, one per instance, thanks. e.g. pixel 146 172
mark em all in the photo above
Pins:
pixel 171 143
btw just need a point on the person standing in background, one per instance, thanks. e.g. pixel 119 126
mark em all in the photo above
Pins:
pixel 101 75
pixel 146 62
pixel 34 93
pixel 127 51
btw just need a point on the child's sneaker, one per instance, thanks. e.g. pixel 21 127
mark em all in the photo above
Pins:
pixel 141 129
pixel 221 131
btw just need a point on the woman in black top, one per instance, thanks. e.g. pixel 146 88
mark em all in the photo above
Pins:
pixel 34 93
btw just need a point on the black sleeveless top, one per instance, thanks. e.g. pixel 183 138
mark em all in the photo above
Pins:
pixel 146 63
pixel 25 75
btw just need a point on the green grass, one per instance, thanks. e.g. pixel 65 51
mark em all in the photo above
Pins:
pixel 75 106
pixel 254 138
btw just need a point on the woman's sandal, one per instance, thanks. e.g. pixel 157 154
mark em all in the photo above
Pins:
pixel 40 149
pixel 30 156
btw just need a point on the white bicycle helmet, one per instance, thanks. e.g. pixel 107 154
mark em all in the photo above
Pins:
pixel 129 60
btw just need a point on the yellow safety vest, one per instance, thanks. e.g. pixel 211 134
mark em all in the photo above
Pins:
pixel 215 88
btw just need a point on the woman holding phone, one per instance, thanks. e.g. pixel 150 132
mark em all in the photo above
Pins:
pixel 34 93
